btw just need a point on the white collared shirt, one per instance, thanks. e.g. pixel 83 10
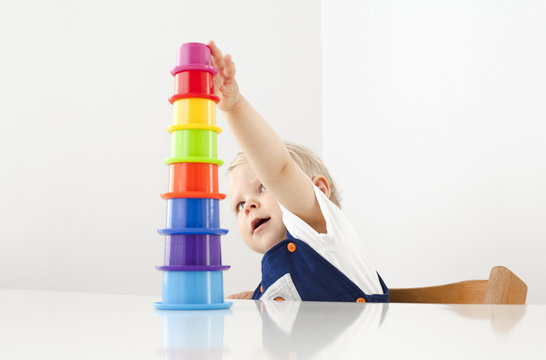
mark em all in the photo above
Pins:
pixel 341 245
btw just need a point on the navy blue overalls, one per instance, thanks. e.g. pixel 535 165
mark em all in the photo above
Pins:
pixel 314 278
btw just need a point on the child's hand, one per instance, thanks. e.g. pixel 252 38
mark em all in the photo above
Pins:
pixel 245 295
pixel 225 85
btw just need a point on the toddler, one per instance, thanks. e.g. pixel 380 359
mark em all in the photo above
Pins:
pixel 287 209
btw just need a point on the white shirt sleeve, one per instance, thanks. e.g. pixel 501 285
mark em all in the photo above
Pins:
pixel 341 245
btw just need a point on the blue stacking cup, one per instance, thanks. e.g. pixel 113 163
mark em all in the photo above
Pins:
pixel 192 290
pixel 193 213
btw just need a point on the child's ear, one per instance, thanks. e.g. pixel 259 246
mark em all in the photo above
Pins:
pixel 321 182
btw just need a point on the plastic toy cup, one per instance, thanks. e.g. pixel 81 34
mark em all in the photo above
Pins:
pixel 193 267
pixel 193 84
pixel 193 180
pixel 194 142
pixel 193 288
pixel 194 111
pixel 193 213
pixel 193 177
pixel 193 195
pixel 194 145
pixel 193 56
pixel 199 249
pixel 192 231
pixel 193 126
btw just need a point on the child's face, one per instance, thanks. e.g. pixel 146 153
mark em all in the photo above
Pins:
pixel 259 215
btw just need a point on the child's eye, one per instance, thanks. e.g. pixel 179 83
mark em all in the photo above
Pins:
pixel 262 188
pixel 240 206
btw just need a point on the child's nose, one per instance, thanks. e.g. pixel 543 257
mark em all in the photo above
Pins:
pixel 251 204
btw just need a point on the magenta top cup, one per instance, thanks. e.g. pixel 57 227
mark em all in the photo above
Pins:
pixel 194 56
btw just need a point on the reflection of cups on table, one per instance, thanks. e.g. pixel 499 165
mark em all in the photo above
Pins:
pixel 193 334
pixel 193 84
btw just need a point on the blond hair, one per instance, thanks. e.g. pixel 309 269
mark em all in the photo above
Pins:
pixel 311 164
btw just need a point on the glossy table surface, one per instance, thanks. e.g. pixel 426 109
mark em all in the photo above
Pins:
pixel 65 325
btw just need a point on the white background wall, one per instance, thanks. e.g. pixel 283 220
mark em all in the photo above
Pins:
pixel 433 126
pixel 434 123
pixel 83 111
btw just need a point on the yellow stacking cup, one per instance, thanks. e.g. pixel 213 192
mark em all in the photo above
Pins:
pixel 195 113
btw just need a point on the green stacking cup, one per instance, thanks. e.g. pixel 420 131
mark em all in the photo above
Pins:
pixel 194 145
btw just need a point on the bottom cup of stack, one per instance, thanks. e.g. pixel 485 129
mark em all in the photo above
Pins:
pixel 192 290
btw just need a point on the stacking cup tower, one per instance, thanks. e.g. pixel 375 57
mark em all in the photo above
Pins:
pixel 192 271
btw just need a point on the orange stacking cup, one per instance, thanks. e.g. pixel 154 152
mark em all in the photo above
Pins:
pixel 193 84
pixel 193 180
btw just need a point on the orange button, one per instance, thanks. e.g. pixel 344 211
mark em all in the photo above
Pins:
pixel 278 298
pixel 261 288
pixel 291 247
pixel 361 300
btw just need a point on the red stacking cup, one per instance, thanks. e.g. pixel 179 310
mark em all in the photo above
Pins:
pixel 193 180
pixel 193 84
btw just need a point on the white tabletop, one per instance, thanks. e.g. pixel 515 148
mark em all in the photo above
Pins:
pixel 65 325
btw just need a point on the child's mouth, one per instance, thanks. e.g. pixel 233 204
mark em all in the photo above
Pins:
pixel 257 224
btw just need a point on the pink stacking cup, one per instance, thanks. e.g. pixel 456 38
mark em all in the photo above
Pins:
pixel 194 56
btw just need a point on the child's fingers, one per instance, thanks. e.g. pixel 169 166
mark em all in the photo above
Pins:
pixel 216 85
pixel 229 70
pixel 217 57
pixel 224 84
pixel 242 295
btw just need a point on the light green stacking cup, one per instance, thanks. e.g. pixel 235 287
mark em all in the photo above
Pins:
pixel 194 145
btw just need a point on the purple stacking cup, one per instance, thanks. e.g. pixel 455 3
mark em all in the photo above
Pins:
pixel 194 56
pixel 199 249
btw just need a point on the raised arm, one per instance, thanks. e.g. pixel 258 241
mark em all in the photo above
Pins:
pixel 263 148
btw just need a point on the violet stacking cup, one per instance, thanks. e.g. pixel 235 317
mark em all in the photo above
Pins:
pixel 194 56
pixel 198 249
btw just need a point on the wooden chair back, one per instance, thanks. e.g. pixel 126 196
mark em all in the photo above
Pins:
pixel 503 287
